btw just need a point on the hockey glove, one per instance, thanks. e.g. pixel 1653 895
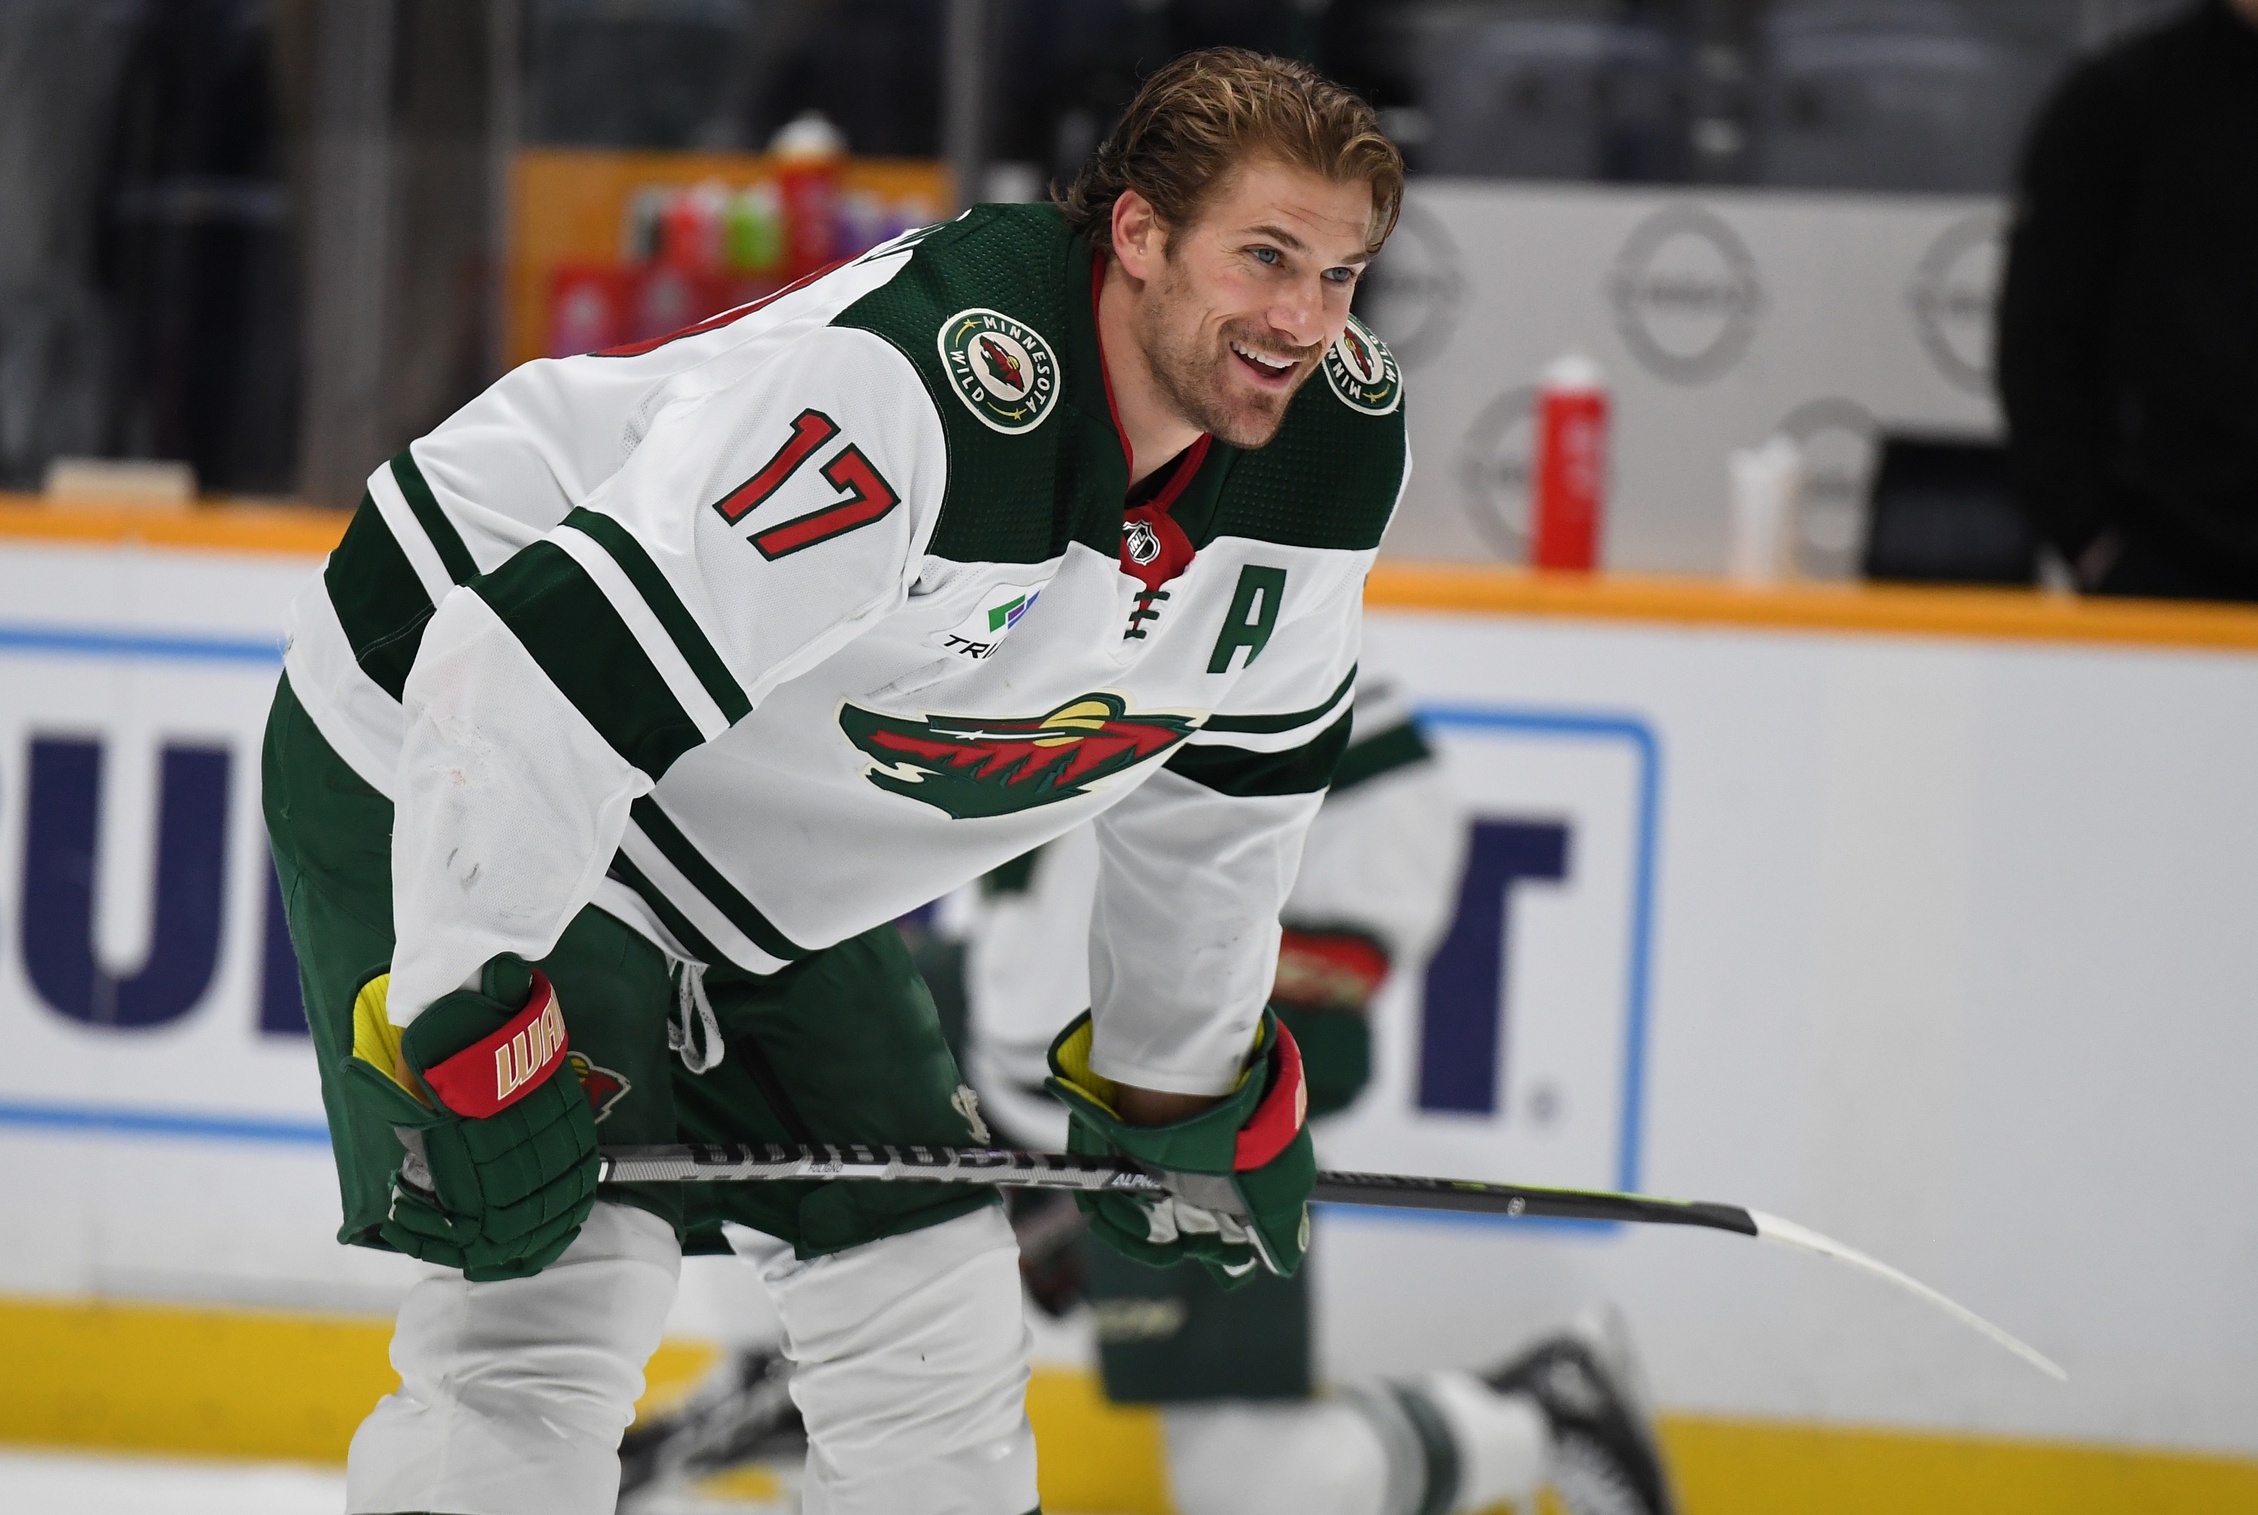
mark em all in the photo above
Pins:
pixel 500 1143
pixel 1324 989
pixel 1238 1174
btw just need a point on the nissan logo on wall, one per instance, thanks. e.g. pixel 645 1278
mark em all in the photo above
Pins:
pixel 1685 294
pixel 1417 287
pixel 1953 293
pixel 1493 471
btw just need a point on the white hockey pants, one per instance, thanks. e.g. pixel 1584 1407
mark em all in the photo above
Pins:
pixel 513 1396
pixel 910 1367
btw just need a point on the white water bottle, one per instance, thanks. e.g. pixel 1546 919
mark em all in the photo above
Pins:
pixel 1767 483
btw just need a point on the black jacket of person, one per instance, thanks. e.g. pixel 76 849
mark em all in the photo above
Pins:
pixel 2128 327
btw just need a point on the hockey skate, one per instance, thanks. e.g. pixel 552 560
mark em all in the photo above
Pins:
pixel 1604 1457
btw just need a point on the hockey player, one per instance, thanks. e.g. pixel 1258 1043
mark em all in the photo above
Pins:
pixel 1232 1369
pixel 657 682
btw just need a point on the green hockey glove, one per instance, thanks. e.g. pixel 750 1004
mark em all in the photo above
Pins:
pixel 1326 980
pixel 499 1169
pixel 1238 1174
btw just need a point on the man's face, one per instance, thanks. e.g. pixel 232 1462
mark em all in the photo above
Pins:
pixel 1240 307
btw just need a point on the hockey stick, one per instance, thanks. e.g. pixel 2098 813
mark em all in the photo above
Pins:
pixel 706 1163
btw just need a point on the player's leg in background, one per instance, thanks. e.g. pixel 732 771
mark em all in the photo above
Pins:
pixel 1230 1370
pixel 900 1302
pixel 513 1394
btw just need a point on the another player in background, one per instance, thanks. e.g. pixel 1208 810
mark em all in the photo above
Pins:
pixel 1232 1368
pixel 654 684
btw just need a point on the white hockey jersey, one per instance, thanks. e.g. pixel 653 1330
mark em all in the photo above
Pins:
pixel 1383 859
pixel 771 632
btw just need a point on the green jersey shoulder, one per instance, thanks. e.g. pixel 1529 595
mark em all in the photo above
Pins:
pixel 1330 478
pixel 985 312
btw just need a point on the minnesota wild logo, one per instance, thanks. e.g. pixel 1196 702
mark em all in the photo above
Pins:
pixel 603 1087
pixel 972 767
pixel 1003 370
pixel 1363 372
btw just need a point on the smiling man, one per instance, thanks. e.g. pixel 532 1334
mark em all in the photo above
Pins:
pixel 645 693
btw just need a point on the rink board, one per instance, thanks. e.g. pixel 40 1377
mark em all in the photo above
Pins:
pixel 1922 920
pixel 1719 318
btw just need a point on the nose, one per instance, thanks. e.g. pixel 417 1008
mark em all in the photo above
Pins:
pixel 1297 315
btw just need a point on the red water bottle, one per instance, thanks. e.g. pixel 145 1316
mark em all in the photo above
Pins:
pixel 1569 507
pixel 810 153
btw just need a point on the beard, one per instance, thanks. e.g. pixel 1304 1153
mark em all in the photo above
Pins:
pixel 1193 373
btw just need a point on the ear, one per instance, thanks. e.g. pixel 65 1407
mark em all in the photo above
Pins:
pixel 1139 239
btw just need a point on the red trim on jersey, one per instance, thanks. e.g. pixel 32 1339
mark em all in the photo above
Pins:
pixel 715 323
pixel 1176 550
pixel 1097 285
pixel 490 1075
pixel 1279 1118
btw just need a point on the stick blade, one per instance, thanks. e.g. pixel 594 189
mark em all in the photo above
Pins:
pixel 1787 1233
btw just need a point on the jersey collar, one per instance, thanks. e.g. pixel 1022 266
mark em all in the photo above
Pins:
pixel 1102 447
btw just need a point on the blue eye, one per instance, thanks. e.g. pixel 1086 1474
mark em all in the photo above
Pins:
pixel 1267 254
pixel 1341 275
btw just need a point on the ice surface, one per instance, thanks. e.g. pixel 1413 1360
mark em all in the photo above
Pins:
pixel 79 1483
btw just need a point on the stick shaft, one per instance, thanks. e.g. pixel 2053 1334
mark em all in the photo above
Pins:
pixel 1055 1170
pixel 714 1163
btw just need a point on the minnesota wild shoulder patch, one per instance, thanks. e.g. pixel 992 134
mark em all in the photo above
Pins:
pixel 1362 372
pixel 1005 371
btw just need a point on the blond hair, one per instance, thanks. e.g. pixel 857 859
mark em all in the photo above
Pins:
pixel 1204 113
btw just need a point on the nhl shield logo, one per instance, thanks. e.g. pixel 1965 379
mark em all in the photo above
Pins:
pixel 1363 372
pixel 1140 541
pixel 1004 370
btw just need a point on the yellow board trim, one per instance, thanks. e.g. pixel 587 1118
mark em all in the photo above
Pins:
pixel 276 1384
pixel 1871 609
pixel 296 530
pixel 1468 589
pixel 1737 1467
pixel 213 1382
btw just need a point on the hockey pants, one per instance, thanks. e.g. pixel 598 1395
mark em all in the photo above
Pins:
pixel 911 1358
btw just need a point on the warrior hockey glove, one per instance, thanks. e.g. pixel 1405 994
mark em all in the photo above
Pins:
pixel 1239 1174
pixel 500 1165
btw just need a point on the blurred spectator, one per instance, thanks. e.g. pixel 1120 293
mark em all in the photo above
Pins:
pixel 1537 96
pixel 2128 328
pixel 148 304
pixel 1910 95
pixel 196 260
pixel 60 61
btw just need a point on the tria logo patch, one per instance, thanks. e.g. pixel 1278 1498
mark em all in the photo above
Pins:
pixel 1003 370
pixel 982 632
pixel 1363 372
pixel 603 1086
pixel 973 767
